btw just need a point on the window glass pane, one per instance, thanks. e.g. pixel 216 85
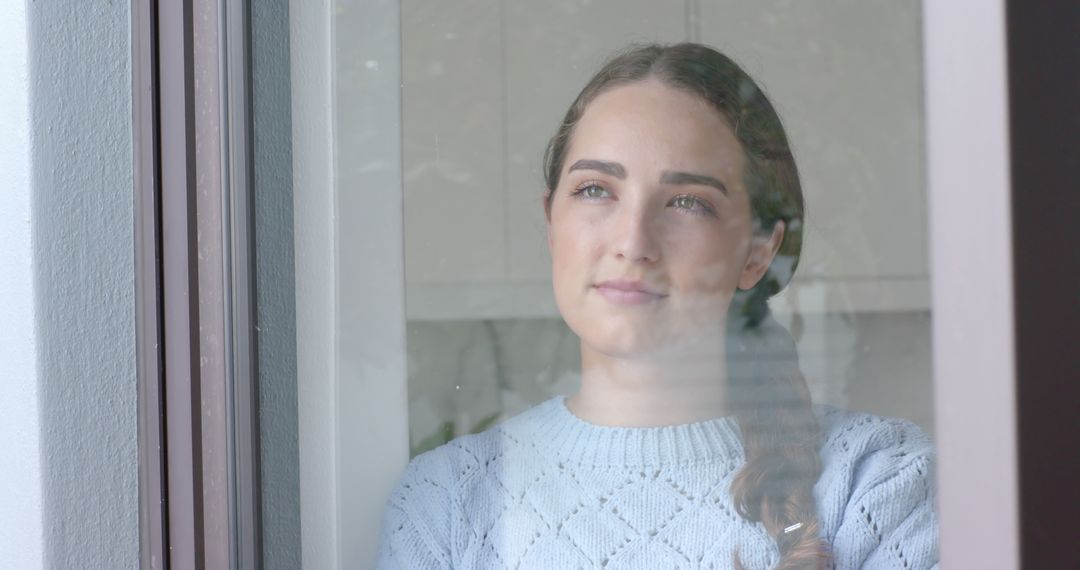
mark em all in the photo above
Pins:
pixel 641 262
pixel 666 288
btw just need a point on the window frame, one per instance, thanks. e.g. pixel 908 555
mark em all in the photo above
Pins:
pixel 971 289
pixel 1044 143
pixel 985 121
pixel 196 329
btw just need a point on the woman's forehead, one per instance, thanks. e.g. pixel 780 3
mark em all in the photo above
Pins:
pixel 649 125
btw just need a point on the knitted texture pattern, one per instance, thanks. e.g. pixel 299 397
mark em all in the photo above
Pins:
pixel 547 490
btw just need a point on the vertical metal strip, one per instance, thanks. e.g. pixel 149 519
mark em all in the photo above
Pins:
pixel 198 396
pixel 153 485
pixel 180 286
pixel 240 270
pixel 212 254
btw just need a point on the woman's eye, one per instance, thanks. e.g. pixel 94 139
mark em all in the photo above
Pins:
pixel 692 204
pixel 592 191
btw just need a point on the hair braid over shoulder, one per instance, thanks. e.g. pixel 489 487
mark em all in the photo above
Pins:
pixel 780 435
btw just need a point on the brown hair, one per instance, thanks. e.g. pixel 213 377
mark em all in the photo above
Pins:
pixel 771 403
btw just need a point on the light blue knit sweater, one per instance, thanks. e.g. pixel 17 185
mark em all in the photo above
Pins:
pixel 547 490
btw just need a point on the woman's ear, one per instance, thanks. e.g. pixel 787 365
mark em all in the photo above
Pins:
pixel 762 251
pixel 547 216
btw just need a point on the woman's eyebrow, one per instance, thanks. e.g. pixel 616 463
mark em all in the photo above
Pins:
pixel 612 168
pixel 670 177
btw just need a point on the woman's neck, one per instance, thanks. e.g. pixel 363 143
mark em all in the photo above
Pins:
pixel 671 389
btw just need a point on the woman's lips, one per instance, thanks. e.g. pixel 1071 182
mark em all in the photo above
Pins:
pixel 628 292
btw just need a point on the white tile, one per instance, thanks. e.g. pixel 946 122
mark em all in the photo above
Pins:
pixel 453 144
pixel 846 77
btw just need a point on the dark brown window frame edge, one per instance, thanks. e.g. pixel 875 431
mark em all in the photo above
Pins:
pixel 198 472
pixel 1043 44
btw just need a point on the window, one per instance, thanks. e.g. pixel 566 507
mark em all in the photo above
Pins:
pixel 424 290
pixel 473 337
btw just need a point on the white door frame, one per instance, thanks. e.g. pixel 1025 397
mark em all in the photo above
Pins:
pixel 350 276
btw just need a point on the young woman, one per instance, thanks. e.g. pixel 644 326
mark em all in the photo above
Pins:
pixel 674 212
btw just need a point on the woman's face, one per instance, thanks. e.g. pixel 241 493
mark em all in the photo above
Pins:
pixel 650 227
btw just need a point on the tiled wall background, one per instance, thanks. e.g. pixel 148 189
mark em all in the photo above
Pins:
pixel 467 371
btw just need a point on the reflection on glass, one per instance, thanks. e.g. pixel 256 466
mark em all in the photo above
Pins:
pixel 682 433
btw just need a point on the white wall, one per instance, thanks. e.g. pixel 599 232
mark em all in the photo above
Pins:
pixel 486 82
pixel 20 488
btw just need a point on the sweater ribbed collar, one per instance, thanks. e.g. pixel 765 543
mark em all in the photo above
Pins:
pixel 555 429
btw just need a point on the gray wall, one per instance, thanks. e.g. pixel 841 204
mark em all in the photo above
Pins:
pixel 280 455
pixel 82 228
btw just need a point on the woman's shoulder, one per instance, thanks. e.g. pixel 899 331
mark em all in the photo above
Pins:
pixel 852 434
pixel 419 512
pixel 876 489
pixel 864 453
pixel 460 458
pixel 455 460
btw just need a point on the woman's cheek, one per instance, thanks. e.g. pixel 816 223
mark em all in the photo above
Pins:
pixel 718 274
pixel 573 241
pixel 562 255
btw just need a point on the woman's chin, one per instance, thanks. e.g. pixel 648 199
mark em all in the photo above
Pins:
pixel 621 350
pixel 625 341
pixel 643 332
pixel 653 340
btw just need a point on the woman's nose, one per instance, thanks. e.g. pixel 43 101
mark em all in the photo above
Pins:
pixel 636 235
